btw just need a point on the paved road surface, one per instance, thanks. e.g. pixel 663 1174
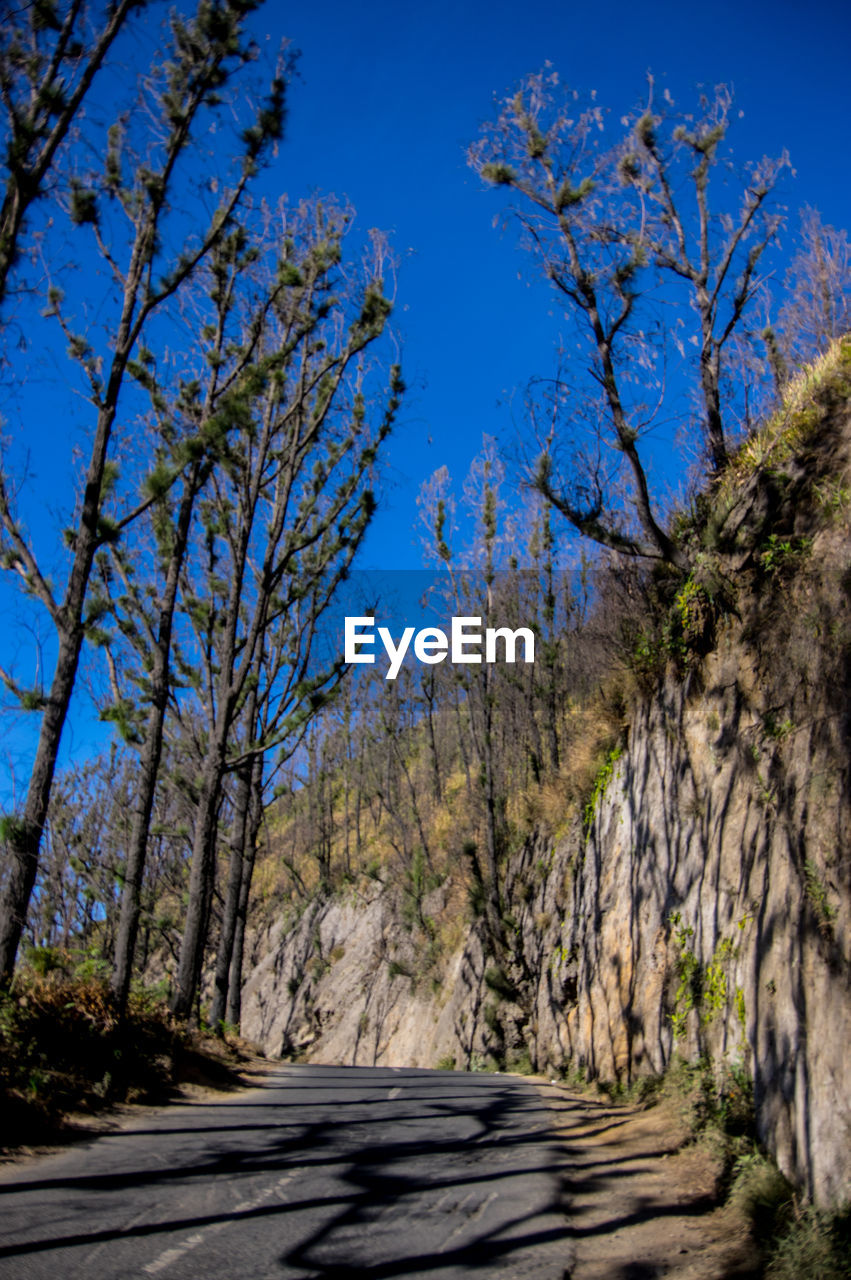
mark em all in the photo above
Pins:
pixel 324 1172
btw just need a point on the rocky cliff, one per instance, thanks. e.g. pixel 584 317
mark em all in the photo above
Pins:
pixel 701 903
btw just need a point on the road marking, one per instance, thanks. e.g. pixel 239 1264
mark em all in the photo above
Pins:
pixel 462 1226
pixel 394 1093
pixel 172 1255
pixel 176 1252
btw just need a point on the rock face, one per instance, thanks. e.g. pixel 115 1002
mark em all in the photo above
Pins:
pixel 338 988
pixel 705 909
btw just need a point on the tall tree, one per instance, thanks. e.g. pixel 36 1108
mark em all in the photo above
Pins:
pixel 288 508
pixel 194 425
pixel 148 160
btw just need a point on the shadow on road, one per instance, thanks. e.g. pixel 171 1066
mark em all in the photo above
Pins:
pixel 398 1173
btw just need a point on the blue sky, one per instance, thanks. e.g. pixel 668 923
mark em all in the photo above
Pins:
pixel 388 98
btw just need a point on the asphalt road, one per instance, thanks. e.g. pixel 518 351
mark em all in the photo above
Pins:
pixel 319 1172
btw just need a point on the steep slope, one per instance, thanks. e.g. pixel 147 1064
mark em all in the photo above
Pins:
pixel 701 905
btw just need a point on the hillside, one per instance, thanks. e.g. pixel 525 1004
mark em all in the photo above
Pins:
pixel 695 900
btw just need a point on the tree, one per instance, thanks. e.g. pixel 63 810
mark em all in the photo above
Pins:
pixel 134 212
pixel 288 508
pixel 817 305
pixel 622 227
pixel 51 56
pixel 193 424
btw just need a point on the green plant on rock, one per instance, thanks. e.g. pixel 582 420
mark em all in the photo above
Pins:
pixel 832 496
pixel 775 728
pixel 816 892
pixel 688 970
pixel 779 555
pixel 714 992
pixel 601 782
pixel 497 980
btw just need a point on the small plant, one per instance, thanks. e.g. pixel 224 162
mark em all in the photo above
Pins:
pixel 519 1060
pixel 760 1192
pixel 601 782
pixel 498 981
pixel 832 496
pixel 779 555
pixel 776 729
pixel 446 1063
pixel 714 991
pixel 735 1104
pixel 815 1245
pixel 491 1016
pixel 816 892
pixel 688 971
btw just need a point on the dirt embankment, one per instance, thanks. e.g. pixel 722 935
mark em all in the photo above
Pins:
pixel 644 1199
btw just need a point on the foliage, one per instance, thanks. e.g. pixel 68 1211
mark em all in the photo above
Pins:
pixel 690 985
pixel 498 981
pixel 791 428
pixel 796 1238
pixel 814 1244
pixel 63 1046
pixel 601 782
pixel 816 892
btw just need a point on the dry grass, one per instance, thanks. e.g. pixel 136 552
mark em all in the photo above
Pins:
pixel 794 423
pixel 64 1048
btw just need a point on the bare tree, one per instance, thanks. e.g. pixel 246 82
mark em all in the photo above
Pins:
pixel 816 308
pixel 622 226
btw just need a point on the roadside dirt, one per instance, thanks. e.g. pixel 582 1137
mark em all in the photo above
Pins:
pixel 643 1201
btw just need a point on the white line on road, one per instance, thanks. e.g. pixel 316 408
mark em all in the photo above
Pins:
pixel 176 1252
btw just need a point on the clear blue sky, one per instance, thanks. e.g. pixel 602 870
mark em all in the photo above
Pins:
pixel 388 97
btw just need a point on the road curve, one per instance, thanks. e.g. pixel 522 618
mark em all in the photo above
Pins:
pixel 319 1172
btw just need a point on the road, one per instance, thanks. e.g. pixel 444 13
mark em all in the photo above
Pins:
pixel 318 1172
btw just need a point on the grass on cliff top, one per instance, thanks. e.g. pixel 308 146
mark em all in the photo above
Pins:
pixel 794 424
pixel 64 1049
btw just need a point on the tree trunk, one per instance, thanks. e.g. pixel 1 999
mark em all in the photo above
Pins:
pixel 224 954
pixel 149 763
pixel 200 882
pixel 26 835
pixel 255 817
